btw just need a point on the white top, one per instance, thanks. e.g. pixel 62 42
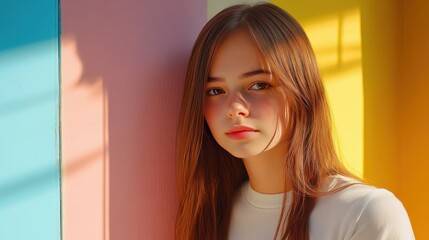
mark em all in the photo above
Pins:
pixel 357 212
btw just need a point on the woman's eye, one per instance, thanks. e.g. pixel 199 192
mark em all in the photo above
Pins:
pixel 259 86
pixel 215 91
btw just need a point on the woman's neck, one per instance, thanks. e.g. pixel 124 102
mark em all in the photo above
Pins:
pixel 267 170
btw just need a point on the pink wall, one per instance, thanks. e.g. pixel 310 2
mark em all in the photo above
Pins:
pixel 123 66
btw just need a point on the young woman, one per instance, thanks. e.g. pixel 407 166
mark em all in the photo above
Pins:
pixel 255 154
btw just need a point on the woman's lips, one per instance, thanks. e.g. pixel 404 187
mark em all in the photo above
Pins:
pixel 241 132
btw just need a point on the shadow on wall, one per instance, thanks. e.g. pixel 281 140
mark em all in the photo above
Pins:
pixel 133 55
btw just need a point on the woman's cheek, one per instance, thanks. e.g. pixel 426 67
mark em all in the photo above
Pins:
pixel 263 105
pixel 211 112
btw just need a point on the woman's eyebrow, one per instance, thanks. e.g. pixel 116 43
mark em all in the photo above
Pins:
pixel 244 75
pixel 214 79
pixel 255 72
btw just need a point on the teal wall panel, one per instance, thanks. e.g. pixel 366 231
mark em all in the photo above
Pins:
pixel 30 193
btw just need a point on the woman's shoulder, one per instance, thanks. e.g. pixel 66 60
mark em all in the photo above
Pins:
pixel 349 189
pixel 360 197
pixel 350 195
pixel 362 210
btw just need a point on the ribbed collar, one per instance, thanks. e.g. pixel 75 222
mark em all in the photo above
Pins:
pixel 272 201
pixel 262 200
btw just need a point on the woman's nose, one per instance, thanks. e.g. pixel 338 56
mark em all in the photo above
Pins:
pixel 238 107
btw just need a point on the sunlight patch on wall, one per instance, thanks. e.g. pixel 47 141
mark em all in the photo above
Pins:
pixel 84 149
pixel 336 40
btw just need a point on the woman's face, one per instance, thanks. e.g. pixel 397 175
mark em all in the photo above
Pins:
pixel 243 104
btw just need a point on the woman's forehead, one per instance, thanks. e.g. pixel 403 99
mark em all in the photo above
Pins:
pixel 237 52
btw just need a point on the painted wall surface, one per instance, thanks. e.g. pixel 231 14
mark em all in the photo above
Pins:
pixel 334 30
pixel 381 33
pixel 413 101
pixel 388 143
pixel 29 121
pixel 215 6
pixel 123 69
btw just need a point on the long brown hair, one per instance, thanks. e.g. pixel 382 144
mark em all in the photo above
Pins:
pixel 208 176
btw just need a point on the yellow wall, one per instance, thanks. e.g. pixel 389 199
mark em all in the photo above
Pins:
pixel 381 33
pixel 334 29
pixel 372 55
pixel 413 101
